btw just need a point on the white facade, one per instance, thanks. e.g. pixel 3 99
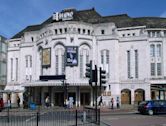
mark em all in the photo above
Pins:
pixel 124 52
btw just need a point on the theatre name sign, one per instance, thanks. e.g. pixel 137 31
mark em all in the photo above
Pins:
pixel 64 16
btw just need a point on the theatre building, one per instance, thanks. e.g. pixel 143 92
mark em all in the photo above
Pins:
pixel 132 51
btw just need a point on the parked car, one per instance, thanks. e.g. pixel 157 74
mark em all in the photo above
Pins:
pixel 152 107
pixel 1 104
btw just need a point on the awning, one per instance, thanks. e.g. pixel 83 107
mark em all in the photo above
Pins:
pixel 13 88
pixel 51 83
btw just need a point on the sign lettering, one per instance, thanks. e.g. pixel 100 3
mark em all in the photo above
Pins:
pixel 64 16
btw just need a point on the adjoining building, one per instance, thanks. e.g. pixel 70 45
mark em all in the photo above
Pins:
pixel 3 62
pixel 131 50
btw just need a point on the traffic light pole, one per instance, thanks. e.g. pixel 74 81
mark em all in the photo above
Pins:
pixel 100 82
pixel 96 91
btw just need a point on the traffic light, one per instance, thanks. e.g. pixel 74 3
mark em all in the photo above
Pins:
pixel 102 76
pixel 89 72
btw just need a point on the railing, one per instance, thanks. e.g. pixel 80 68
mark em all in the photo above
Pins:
pixel 49 117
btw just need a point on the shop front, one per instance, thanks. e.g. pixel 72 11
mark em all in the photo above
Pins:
pixel 38 91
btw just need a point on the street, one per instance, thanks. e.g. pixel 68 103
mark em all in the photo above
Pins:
pixel 132 119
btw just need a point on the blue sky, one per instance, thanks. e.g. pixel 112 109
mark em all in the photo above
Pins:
pixel 15 15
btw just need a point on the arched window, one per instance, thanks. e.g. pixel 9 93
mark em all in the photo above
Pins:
pixel 28 61
pixel 84 58
pixel 105 60
pixel 152 50
pixel 158 50
pixel 59 60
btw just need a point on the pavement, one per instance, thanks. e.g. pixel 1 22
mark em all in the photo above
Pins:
pixel 102 109
pixel 119 111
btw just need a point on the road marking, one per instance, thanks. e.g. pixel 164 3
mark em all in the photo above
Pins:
pixel 33 117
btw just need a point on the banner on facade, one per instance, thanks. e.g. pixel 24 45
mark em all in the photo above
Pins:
pixel 71 55
pixel 46 57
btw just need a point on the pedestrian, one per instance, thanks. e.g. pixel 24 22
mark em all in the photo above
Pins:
pixel 112 103
pixel 101 101
pixel 117 102
pixel 18 101
pixel 1 103
pixel 9 103
pixel 66 103
pixel 47 101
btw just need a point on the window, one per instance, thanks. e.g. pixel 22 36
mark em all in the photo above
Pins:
pixel 26 60
pixel 102 32
pixel 158 34
pixel 30 61
pixel 109 87
pixel 3 71
pixel 159 69
pixel 136 63
pixel 88 32
pixel 56 58
pixel 71 39
pixel 152 69
pixel 149 34
pixel 63 64
pixel 133 34
pixel 107 56
pixel 152 50
pixel 158 50
pixel 30 77
pixel 87 58
pixel 59 62
pixel 60 31
pixel 16 69
pixel 83 31
pixel 11 69
pixel 32 39
pixel 153 34
pixel 83 59
pixel 4 47
pixel 65 30
pixel 81 66
pixel 79 30
pixel 102 57
pixel 128 64
pixel 56 31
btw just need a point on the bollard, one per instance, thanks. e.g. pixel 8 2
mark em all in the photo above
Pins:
pixel 76 117
pixel 37 119
pixel 8 114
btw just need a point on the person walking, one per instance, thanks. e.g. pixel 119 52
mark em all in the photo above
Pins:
pixel 9 103
pixel 47 101
pixel 18 101
pixel 112 103
pixel 117 102
pixel 101 101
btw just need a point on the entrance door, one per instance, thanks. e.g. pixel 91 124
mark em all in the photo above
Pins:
pixel 139 96
pixel 85 99
pixel 126 96
pixel 59 99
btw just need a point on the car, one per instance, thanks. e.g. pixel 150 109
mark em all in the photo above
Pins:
pixel 1 104
pixel 152 107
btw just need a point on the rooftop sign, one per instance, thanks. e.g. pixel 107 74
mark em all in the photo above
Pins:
pixel 64 16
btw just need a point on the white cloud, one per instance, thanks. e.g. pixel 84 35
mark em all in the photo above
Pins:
pixel 163 14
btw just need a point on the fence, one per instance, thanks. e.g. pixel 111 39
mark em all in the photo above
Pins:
pixel 49 117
